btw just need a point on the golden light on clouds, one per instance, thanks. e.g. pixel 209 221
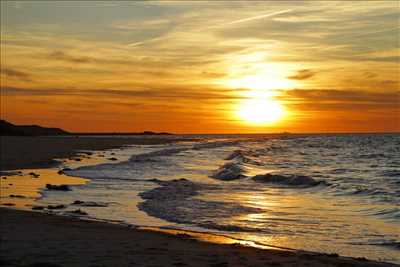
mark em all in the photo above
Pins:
pixel 261 82
pixel 149 65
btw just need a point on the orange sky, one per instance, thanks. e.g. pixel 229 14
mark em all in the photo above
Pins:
pixel 201 67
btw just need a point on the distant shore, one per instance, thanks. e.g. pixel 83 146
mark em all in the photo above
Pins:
pixel 25 152
pixel 38 239
pixel 10 129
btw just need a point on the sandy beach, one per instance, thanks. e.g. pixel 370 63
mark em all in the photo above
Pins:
pixel 34 239
pixel 38 239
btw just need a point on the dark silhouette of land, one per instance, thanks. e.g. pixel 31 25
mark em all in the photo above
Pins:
pixel 28 152
pixel 9 129
pixel 33 146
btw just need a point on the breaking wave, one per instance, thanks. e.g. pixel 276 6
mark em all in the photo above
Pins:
pixel 290 180
pixel 173 201
pixel 229 171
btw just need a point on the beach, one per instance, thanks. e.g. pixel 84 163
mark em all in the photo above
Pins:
pixel 34 239
pixel 30 238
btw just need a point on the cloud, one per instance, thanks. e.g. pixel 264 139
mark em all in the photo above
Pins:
pixel 341 96
pixel 67 57
pixel 210 74
pixel 392 59
pixel 60 55
pixel 303 75
pixel 348 103
pixel 173 94
pixel 152 24
pixel 15 74
pixel 32 92
pixel 262 16
pixel 370 75
pixel 17 4
pixel 157 24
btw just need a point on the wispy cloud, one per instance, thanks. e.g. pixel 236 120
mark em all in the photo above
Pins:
pixel 384 99
pixel 60 55
pixel 157 23
pixel 15 74
pixel 303 75
pixel 142 25
pixel 17 4
pixel 178 95
pixel 258 17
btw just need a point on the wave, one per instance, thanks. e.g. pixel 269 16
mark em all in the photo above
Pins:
pixel 340 171
pixel 368 191
pixel 170 190
pixel 152 160
pixel 391 244
pixel 229 171
pixel 173 201
pixel 146 157
pixel 290 180
pixel 389 213
pixel 371 156
pixel 150 156
pixel 229 227
pixel 394 244
pixel 233 170
pixel 237 154
pixel 243 157
pixel 215 144
pixel 391 173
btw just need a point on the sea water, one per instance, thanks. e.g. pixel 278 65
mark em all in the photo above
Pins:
pixel 323 193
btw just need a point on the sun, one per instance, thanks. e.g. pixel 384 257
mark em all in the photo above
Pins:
pixel 260 111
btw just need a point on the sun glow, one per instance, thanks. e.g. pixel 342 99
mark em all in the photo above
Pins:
pixel 258 106
pixel 259 82
pixel 260 111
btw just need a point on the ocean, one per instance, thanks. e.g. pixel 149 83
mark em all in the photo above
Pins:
pixel 336 193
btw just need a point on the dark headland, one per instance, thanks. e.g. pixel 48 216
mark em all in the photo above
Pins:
pixel 26 147
pixel 9 129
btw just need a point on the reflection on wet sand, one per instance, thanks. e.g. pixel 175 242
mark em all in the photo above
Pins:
pixel 22 189
pixel 213 238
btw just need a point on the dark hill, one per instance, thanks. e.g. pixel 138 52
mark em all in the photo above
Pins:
pixel 10 129
pixel 7 128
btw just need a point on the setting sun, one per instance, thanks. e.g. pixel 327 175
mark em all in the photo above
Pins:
pixel 260 111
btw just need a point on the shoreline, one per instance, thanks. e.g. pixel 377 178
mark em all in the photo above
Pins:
pixel 23 152
pixel 181 237
pixel 30 238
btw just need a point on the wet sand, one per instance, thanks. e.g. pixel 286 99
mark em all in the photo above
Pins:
pixel 21 190
pixel 36 239
pixel 20 152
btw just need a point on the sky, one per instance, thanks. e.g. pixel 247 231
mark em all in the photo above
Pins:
pixel 202 67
